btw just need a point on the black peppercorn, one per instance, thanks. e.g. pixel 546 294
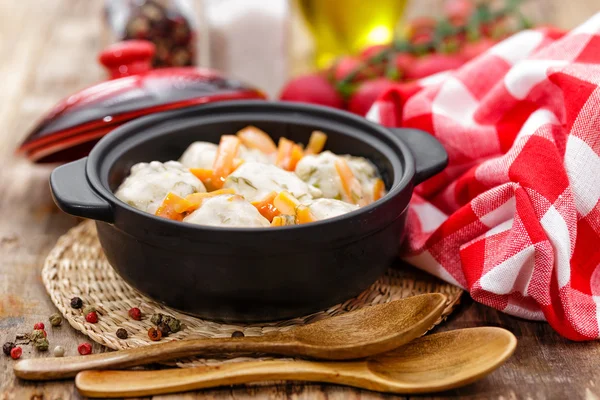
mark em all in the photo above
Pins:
pixel 7 347
pixel 164 328
pixel 76 302
pixel 237 334
pixel 122 333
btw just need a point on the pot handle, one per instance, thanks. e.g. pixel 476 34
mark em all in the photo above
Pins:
pixel 430 156
pixel 73 194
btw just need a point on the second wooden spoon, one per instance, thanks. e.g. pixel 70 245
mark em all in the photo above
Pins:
pixel 357 334
pixel 432 363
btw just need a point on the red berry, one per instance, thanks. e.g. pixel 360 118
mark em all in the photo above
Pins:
pixel 312 88
pixel 403 62
pixel 373 50
pixel 92 317
pixel 345 66
pixel 419 28
pixel 84 349
pixel 135 313
pixel 458 11
pixel 434 63
pixel 39 325
pixel 362 100
pixel 16 352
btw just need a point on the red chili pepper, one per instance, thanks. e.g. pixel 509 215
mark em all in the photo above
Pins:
pixel 84 349
pixel 16 352
pixel 39 325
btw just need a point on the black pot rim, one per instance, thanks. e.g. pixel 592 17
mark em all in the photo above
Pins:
pixel 400 184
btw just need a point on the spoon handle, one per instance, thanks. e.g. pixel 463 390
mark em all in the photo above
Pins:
pixel 110 384
pixel 66 367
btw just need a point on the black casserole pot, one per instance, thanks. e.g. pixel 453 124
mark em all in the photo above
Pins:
pixel 248 274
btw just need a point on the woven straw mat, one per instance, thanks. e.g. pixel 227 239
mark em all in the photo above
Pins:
pixel 76 266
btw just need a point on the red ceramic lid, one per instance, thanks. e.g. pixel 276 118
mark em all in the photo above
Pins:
pixel 74 125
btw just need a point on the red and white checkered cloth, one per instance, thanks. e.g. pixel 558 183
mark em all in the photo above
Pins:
pixel 515 217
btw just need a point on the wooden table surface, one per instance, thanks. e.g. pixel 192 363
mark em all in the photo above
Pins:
pixel 47 51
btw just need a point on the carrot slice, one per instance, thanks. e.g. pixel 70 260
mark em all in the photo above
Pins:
pixel 296 156
pixel 286 203
pixel 224 160
pixel 284 153
pixel 194 200
pixel 277 221
pixel 205 176
pixel 316 142
pixel 351 185
pixel 266 208
pixel 255 138
pixel 378 189
pixel 303 215
pixel 171 206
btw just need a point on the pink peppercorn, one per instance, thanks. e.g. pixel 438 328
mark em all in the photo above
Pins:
pixel 135 313
pixel 39 325
pixel 92 317
pixel 84 349
pixel 16 352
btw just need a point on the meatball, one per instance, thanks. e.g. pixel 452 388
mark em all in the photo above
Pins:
pixel 329 208
pixel 320 171
pixel 199 155
pixel 227 210
pixel 202 155
pixel 255 181
pixel 148 184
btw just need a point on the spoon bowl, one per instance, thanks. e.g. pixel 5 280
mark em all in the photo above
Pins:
pixel 356 334
pixel 432 363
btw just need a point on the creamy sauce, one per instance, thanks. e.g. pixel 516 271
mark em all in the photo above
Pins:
pixel 329 208
pixel 227 210
pixel 319 171
pixel 255 181
pixel 148 184
pixel 202 155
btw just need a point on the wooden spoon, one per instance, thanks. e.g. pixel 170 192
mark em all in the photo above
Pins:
pixel 432 363
pixel 357 334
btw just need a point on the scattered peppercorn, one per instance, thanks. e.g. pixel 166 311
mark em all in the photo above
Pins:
pixel 154 334
pixel 164 329
pixel 59 351
pixel 89 309
pixel 91 317
pixel 41 344
pixel 37 334
pixel 174 324
pixel 135 313
pixel 15 352
pixel 76 302
pixel 84 349
pixel 156 319
pixel 55 319
pixel 237 334
pixel 39 325
pixel 122 333
pixel 7 347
